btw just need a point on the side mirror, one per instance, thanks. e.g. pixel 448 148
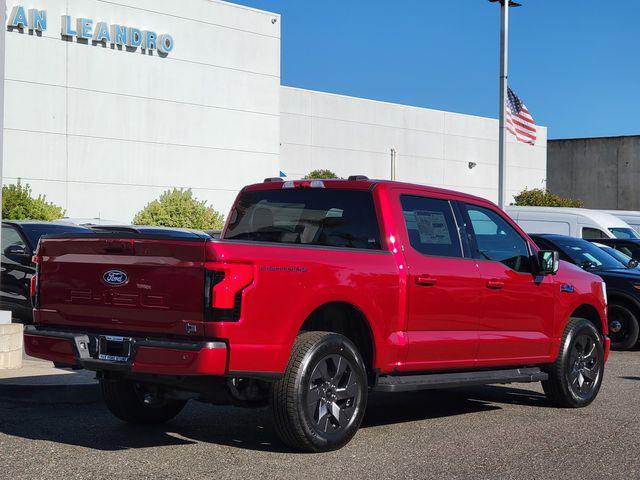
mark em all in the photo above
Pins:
pixel 16 251
pixel 548 262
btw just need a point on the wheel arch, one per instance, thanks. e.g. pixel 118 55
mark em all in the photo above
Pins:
pixel 346 319
pixel 617 296
pixel 590 313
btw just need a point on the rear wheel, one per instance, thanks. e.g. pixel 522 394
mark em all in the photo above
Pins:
pixel 135 403
pixel 576 376
pixel 319 403
pixel 623 327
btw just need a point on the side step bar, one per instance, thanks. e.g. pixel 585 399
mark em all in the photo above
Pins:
pixel 408 383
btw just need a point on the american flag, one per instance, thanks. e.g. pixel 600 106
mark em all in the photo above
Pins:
pixel 518 120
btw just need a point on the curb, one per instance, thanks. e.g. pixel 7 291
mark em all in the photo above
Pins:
pixel 50 394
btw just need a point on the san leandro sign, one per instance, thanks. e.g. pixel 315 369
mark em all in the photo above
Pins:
pixel 86 29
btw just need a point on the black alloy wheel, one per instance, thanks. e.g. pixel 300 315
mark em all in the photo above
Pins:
pixel 585 366
pixel 576 375
pixel 319 403
pixel 623 327
pixel 333 394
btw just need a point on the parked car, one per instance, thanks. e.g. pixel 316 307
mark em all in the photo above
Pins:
pixel 629 216
pixel 622 281
pixel 630 247
pixel 575 222
pixel 19 241
pixel 318 292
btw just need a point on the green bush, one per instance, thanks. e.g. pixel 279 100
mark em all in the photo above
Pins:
pixel 179 208
pixel 539 197
pixel 19 204
pixel 321 174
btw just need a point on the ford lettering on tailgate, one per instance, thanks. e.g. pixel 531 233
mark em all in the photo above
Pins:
pixel 115 277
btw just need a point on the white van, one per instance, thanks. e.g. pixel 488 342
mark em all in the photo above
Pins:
pixel 575 222
pixel 629 216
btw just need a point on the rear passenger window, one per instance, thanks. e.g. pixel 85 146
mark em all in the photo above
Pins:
pixel 431 226
pixel 497 240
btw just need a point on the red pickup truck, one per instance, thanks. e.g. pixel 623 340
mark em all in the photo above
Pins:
pixel 318 292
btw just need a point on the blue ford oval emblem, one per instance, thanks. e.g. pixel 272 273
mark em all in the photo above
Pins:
pixel 115 277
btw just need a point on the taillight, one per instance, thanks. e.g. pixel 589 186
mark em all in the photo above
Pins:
pixel 34 290
pixel 224 284
pixel 33 286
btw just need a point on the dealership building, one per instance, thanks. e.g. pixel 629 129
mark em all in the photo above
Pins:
pixel 110 103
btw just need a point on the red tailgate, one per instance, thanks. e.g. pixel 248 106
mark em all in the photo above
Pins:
pixel 134 285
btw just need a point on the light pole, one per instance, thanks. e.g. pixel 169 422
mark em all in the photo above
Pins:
pixel 504 75
pixel 394 164
pixel 3 16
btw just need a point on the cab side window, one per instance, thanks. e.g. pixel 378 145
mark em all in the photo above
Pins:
pixel 593 233
pixel 431 226
pixel 495 239
pixel 11 237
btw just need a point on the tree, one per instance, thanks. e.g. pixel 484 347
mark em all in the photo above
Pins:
pixel 19 204
pixel 179 208
pixel 539 197
pixel 321 174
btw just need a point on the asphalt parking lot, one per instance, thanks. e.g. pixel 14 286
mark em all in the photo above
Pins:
pixel 489 432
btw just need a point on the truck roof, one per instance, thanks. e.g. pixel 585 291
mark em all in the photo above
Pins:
pixel 368 184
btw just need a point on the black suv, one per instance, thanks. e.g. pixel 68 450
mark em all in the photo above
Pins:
pixel 623 283
pixel 19 241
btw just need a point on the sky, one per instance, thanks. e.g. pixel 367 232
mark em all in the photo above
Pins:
pixel 574 63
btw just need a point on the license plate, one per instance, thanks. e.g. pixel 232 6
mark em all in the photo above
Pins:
pixel 114 349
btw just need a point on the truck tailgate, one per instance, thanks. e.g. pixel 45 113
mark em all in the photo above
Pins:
pixel 133 285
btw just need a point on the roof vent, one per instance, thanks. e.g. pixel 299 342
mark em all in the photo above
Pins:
pixel 357 178
pixel 273 180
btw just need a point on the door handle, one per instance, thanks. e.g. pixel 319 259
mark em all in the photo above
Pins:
pixel 426 280
pixel 495 284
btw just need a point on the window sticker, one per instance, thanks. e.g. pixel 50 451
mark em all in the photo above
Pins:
pixel 432 227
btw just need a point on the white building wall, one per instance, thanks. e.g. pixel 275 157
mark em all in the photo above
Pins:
pixel 355 136
pixel 102 131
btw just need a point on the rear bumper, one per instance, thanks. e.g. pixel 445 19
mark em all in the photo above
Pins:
pixel 161 357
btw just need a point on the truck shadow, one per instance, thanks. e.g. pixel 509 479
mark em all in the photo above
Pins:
pixel 92 426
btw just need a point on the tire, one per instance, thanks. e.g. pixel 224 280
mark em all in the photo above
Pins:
pixel 319 403
pixel 576 376
pixel 623 327
pixel 126 400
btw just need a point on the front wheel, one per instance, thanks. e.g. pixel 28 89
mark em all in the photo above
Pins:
pixel 319 403
pixel 575 377
pixel 623 327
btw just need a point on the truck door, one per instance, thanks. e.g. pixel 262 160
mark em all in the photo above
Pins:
pixel 516 306
pixel 444 286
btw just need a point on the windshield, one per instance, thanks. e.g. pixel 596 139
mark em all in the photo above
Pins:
pixel 624 233
pixel 618 255
pixel 310 216
pixel 588 256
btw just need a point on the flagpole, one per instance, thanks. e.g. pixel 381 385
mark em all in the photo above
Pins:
pixel 504 73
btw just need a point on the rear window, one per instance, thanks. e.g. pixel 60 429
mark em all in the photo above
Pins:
pixel 309 216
